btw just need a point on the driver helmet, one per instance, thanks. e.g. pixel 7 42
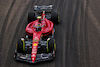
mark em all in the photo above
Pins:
pixel 38 27
pixel 39 24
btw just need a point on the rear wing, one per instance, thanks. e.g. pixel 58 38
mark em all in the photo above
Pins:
pixel 43 8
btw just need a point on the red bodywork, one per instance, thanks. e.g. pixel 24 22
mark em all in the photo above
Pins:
pixel 46 30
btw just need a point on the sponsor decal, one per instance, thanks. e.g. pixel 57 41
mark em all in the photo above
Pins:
pixel 33 55
pixel 35 44
pixel 34 50
pixel 34 47
pixel 33 59
pixel 35 40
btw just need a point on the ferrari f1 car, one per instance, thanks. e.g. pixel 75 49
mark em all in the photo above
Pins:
pixel 38 43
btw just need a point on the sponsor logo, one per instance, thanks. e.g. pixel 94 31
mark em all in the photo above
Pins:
pixel 34 47
pixel 32 58
pixel 35 44
pixel 35 40
pixel 33 55
pixel 34 50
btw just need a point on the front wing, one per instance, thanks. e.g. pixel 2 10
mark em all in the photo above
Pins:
pixel 39 57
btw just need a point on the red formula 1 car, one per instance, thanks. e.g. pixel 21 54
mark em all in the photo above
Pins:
pixel 39 43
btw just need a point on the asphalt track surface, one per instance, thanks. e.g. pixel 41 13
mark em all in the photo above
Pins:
pixel 77 35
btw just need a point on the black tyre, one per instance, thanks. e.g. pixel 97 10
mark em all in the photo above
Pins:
pixel 51 45
pixel 31 17
pixel 55 17
pixel 20 46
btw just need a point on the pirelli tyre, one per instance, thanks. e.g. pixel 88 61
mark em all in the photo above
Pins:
pixel 51 45
pixel 20 46
pixel 31 17
pixel 55 17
